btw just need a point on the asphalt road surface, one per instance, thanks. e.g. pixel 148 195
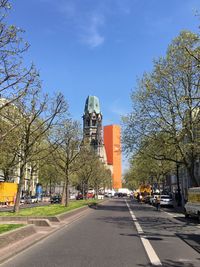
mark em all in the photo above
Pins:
pixel 118 233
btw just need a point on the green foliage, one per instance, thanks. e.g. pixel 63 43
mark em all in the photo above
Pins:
pixel 50 210
pixel 164 105
pixel 8 227
pixel 92 173
pixel 66 153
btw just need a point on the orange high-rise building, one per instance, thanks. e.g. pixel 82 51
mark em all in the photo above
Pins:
pixel 112 142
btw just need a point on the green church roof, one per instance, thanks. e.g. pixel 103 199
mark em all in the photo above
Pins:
pixel 92 105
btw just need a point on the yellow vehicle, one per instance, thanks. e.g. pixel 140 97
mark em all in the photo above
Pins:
pixel 192 207
pixel 8 192
pixel 145 191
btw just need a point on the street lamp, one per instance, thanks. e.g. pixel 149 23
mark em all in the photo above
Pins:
pixel 178 184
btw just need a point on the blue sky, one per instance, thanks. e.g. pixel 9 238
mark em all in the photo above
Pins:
pixel 100 47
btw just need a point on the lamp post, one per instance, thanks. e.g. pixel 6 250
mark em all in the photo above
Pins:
pixel 178 185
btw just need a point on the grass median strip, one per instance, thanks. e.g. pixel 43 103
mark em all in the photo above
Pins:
pixel 51 209
pixel 8 227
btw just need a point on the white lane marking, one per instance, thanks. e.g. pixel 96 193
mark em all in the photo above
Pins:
pixel 147 246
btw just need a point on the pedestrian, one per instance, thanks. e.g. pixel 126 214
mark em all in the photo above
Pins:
pixel 157 202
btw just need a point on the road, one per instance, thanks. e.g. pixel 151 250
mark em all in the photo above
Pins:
pixel 118 233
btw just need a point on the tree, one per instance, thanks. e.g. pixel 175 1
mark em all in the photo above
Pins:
pixel 66 154
pixel 101 177
pixel 39 114
pixel 15 79
pixel 145 166
pixel 49 175
pixel 88 164
pixel 9 158
pixel 92 173
pixel 166 102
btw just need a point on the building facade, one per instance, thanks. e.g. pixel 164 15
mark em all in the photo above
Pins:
pixel 92 127
pixel 112 141
pixel 107 144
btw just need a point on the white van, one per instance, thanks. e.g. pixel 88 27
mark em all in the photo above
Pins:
pixel 192 207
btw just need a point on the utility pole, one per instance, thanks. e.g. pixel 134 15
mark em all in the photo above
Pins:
pixel 178 185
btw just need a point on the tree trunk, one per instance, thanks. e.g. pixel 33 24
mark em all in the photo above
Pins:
pixel 20 185
pixel 6 175
pixel 193 179
pixel 63 194
pixel 67 194
pixel 97 192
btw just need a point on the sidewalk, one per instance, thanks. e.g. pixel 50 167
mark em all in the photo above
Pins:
pixel 177 208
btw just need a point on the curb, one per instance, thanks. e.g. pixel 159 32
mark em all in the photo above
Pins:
pixel 13 236
pixel 27 218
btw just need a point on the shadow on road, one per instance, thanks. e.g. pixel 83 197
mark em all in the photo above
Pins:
pixel 121 222
pixel 192 240
pixel 171 263
pixel 155 226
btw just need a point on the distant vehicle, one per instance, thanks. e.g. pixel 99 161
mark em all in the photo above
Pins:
pixel 124 191
pixel 46 199
pixel 8 192
pixel 34 199
pixel 90 195
pixel 25 200
pixel 56 199
pixel 72 196
pixel 109 193
pixel 147 199
pixel 22 200
pixel 100 196
pixel 79 196
pixel 166 200
pixel 192 207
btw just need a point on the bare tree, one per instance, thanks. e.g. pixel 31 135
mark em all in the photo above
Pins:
pixel 66 154
pixel 15 77
pixel 92 172
pixel 39 114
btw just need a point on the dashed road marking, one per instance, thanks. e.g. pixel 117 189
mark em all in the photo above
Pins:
pixel 147 246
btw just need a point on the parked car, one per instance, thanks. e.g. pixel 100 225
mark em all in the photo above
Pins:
pixel 100 196
pixel 34 199
pixel 72 196
pixel 56 199
pixel 90 195
pixel 147 199
pixel 22 200
pixel 26 200
pixel 46 199
pixel 166 200
pixel 79 196
pixel 192 207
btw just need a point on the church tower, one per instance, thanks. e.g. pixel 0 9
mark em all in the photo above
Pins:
pixel 92 126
